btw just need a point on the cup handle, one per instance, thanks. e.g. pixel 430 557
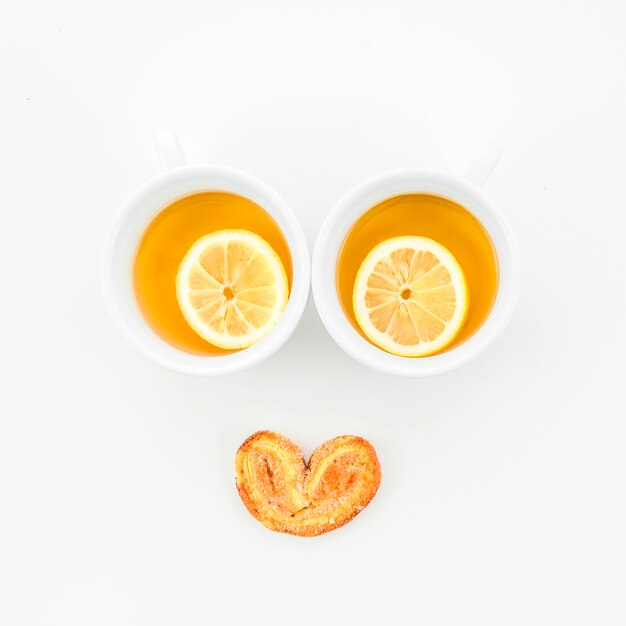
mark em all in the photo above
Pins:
pixel 482 167
pixel 169 149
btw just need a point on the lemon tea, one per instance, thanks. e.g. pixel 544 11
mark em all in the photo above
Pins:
pixel 167 239
pixel 437 218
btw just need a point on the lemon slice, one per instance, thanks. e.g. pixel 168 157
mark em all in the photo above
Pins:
pixel 232 288
pixel 410 296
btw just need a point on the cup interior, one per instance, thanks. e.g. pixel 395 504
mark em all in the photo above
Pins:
pixel 124 237
pixel 339 223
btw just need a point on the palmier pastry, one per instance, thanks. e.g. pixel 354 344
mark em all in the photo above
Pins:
pixel 290 496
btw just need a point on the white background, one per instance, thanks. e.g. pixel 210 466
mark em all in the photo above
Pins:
pixel 502 500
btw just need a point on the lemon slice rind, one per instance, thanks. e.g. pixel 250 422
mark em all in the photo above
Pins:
pixel 270 299
pixel 392 284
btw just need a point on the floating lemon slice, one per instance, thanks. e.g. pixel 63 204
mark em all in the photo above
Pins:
pixel 232 288
pixel 410 296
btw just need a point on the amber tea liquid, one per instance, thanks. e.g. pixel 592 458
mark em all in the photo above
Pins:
pixel 440 219
pixel 165 242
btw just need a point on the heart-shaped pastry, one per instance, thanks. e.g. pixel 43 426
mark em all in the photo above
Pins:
pixel 290 496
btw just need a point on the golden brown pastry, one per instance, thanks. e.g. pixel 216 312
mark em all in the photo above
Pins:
pixel 290 496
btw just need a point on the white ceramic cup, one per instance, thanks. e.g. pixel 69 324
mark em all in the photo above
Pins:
pixel 177 181
pixel 465 191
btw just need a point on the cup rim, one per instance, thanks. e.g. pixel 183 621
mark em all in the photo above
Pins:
pixel 130 222
pixel 363 197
